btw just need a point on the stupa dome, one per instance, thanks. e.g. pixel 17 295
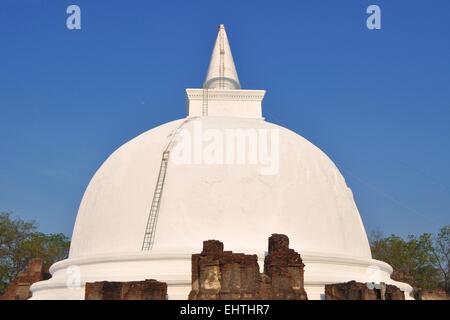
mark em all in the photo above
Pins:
pixel 306 199
pixel 223 173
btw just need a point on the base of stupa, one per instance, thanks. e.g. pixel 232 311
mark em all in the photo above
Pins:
pixel 70 275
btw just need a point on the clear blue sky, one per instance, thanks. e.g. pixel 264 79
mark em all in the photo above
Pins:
pixel 377 102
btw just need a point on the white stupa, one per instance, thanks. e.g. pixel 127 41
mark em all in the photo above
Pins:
pixel 147 209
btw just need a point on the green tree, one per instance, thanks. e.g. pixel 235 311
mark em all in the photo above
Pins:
pixel 441 252
pixel 412 259
pixel 20 241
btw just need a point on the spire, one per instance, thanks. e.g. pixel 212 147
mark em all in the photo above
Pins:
pixel 222 72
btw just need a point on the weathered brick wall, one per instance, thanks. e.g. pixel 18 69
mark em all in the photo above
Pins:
pixel 353 290
pixel 133 290
pixel 394 293
pixel 422 294
pixel 285 268
pixel 224 275
pixel 19 288
pixel 218 274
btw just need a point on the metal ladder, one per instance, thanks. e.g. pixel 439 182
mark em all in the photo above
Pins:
pixel 149 235
pixel 205 102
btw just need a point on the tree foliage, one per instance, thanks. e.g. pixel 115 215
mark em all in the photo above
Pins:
pixel 422 261
pixel 21 241
pixel 441 251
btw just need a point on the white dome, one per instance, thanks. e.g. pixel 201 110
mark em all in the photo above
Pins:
pixel 307 199
pixel 240 204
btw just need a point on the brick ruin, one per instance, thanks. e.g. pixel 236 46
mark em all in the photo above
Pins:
pixel 132 290
pixel 353 290
pixel 423 294
pixel 285 269
pixel 224 275
pixel 221 275
pixel 19 288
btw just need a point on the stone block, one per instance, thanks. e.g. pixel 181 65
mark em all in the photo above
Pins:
pixel 132 290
